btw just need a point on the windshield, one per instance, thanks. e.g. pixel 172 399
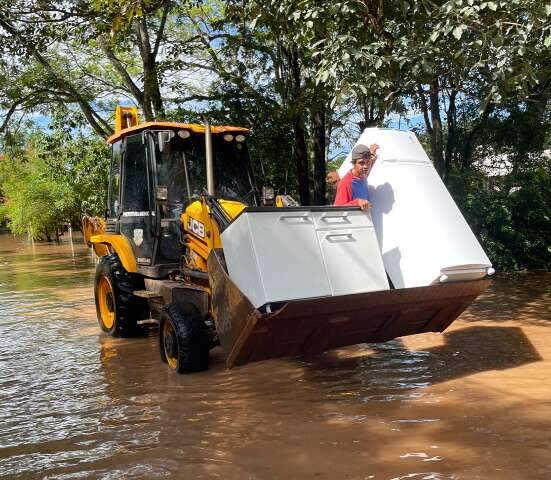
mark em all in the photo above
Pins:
pixel 181 167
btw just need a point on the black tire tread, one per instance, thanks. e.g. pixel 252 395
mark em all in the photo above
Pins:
pixel 192 337
pixel 128 308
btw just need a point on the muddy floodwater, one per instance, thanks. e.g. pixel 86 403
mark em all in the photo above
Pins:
pixel 473 403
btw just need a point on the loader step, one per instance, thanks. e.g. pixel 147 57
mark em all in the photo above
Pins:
pixel 148 321
pixel 146 294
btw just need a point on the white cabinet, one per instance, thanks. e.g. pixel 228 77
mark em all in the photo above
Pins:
pixel 352 260
pixel 285 254
pixel 274 256
pixel 288 255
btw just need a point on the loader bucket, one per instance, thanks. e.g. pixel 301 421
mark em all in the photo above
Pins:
pixel 315 325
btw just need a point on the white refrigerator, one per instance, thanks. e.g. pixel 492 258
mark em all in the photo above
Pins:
pixel 423 236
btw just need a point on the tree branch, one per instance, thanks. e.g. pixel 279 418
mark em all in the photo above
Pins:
pixel 9 114
pixel 424 107
pixel 218 65
pixel 190 98
pixel 121 70
pixel 161 30
pixel 153 104
pixel 87 110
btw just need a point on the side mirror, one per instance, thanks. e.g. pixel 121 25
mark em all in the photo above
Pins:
pixel 161 194
pixel 164 137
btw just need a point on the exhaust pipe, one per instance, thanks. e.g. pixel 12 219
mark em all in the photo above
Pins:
pixel 209 158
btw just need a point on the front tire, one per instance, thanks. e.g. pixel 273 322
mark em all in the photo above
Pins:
pixel 183 339
pixel 118 310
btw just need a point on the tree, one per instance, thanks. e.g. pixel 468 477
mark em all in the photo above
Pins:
pixel 52 180
pixel 36 203
pixel 303 74
pixel 435 54
pixel 28 30
pixel 486 54
pixel 86 54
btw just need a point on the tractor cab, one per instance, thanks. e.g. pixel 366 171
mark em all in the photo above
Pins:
pixel 157 170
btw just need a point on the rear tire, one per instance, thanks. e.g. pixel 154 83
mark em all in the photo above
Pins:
pixel 118 310
pixel 183 339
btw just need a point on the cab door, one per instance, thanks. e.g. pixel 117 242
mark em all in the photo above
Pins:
pixel 171 176
pixel 137 214
pixel 112 212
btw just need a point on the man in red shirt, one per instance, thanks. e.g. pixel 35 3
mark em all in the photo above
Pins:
pixel 352 188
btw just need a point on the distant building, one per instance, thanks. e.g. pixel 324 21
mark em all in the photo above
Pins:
pixel 499 165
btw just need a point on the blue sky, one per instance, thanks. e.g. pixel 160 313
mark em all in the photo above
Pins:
pixel 341 147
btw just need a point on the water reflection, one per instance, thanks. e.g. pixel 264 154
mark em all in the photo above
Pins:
pixel 522 296
pixel 398 370
pixel 74 403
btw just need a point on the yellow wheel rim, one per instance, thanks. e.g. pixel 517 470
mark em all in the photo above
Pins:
pixel 170 344
pixel 106 302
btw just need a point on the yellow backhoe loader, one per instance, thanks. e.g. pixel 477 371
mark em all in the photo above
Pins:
pixel 174 188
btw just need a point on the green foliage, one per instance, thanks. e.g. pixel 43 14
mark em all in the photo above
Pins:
pixel 502 43
pixel 36 203
pixel 51 181
pixel 82 162
pixel 510 215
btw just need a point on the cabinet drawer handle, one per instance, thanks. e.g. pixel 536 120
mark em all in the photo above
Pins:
pixel 339 235
pixel 335 219
pixel 325 216
pixel 333 215
pixel 289 217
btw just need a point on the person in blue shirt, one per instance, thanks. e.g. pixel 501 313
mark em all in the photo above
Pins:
pixel 352 188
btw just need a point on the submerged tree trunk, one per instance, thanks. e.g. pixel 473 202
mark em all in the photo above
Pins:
pixel 437 138
pixel 318 152
pixel 452 133
pixel 300 150
pixel 469 144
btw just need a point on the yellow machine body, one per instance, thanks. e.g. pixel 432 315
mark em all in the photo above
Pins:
pixel 202 232
pixel 93 229
pixel 125 117
pixel 119 244
pixel 192 127
pixel 202 235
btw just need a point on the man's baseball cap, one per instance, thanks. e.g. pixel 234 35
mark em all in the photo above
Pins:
pixel 360 151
